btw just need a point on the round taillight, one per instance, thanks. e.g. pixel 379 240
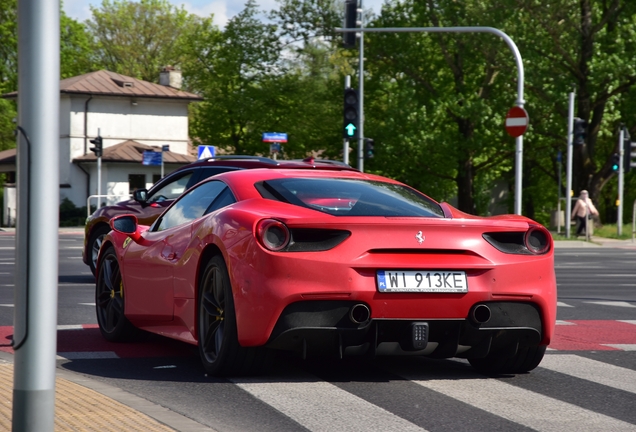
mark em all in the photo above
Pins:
pixel 537 240
pixel 273 234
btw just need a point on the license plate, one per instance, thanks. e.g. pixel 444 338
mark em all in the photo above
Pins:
pixel 434 281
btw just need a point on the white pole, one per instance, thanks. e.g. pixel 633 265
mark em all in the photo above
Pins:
pixel 99 173
pixel 568 183
pixel 361 95
pixel 621 176
pixel 345 142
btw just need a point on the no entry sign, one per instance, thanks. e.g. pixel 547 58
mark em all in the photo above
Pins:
pixel 516 122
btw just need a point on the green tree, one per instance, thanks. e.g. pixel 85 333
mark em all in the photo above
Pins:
pixel 139 38
pixel 237 71
pixel 76 48
pixel 439 101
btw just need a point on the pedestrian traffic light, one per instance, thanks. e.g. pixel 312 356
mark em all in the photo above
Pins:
pixel 351 114
pixel 616 162
pixel 351 15
pixel 579 133
pixel 98 146
pixel 368 148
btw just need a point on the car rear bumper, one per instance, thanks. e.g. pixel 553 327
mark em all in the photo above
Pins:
pixel 332 328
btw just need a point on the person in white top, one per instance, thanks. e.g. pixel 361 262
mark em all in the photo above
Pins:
pixel 583 209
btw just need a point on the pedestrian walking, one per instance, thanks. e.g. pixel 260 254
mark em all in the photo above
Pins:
pixel 583 211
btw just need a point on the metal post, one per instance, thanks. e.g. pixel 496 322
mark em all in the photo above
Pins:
pixel 99 172
pixel 621 179
pixel 361 94
pixel 345 142
pixel 559 160
pixel 520 82
pixel 35 312
pixel 568 173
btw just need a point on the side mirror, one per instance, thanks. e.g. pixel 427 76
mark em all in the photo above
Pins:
pixel 126 224
pixel 140 195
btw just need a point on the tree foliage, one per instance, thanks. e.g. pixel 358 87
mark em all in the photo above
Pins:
pixel 139 38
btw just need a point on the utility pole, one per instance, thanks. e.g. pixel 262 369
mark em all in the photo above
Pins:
pixel 36 278
pixel 621 179
pixel 361 94
pixel 345 141
pixel 568 173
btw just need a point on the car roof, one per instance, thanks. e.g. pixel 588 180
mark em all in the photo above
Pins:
pixel 245 161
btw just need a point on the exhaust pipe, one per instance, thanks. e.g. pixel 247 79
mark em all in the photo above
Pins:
pixel 359 313
pixel 480 314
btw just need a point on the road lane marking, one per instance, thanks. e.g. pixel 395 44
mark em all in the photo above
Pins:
pixel 591 370
pixel 524 407
pixel 561 304
pixel 86 355
pixel 622 347
pixel 612 303
pixel 338 409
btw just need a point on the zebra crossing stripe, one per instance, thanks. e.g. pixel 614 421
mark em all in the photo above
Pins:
pixel 524 407
pixel 321 406
pixel 591 370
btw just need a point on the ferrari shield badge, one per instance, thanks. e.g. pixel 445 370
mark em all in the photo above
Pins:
pixel 419 237
pixel 128 239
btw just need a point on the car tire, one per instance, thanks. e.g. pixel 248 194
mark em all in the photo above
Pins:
pixel 525 360
pixel 109 300
pixel 94 244
pixel 220 351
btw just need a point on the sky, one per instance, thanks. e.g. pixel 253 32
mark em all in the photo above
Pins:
pixel 223 10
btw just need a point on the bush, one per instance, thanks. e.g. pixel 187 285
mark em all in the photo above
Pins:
pixel 70 215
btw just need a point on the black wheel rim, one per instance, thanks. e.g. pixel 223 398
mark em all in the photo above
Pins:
pixel 97 244
pixel 212 315
pixel 110 295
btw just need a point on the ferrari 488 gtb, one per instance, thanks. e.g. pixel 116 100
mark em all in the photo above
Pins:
pixel 330 263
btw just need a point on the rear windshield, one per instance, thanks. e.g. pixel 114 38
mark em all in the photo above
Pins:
pixel 347 197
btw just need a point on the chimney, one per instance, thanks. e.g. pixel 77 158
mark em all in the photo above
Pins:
pixel 170 77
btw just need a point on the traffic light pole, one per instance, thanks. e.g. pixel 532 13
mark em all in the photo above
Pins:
pixel 520 82
pixel 568 171
pixel 361 96
pixel 621 175
pixel 99 174
pixel 345 143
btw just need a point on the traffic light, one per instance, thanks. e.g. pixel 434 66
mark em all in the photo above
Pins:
pixel 368 148
pixel 98 146
pixel 616 162
pixel 351 115
pixel 351 15
pixel 579 133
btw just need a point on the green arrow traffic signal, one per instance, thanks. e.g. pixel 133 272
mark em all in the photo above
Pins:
pixel 351 129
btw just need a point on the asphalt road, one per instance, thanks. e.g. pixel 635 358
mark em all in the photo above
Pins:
pixel 586 382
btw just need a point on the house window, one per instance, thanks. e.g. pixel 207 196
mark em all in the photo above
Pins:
pixel 156 178
pixel 136 181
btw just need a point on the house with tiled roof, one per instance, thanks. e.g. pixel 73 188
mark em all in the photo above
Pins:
pixel 131 116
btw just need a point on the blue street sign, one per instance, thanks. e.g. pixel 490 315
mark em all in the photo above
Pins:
pixel 351 129
pixel 274 137
pixel 274 148
pixel 559 156
pixel 206 152
pixel 151 157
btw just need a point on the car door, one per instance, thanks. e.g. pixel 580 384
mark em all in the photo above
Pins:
pixel 149 264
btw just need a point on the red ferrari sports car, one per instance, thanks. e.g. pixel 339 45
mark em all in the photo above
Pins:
pixel 324 262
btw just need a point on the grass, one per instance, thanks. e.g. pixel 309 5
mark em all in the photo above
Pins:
pixel 606 231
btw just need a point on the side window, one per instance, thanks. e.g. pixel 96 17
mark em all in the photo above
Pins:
pixel 171 190
pixel 191 206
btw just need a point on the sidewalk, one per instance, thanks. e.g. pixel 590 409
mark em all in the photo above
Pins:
pixel 84 404
pixel 595 242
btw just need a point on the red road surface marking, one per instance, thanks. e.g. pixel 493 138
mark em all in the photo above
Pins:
pixel 88 339
pixel 577 335
pixel 592 335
